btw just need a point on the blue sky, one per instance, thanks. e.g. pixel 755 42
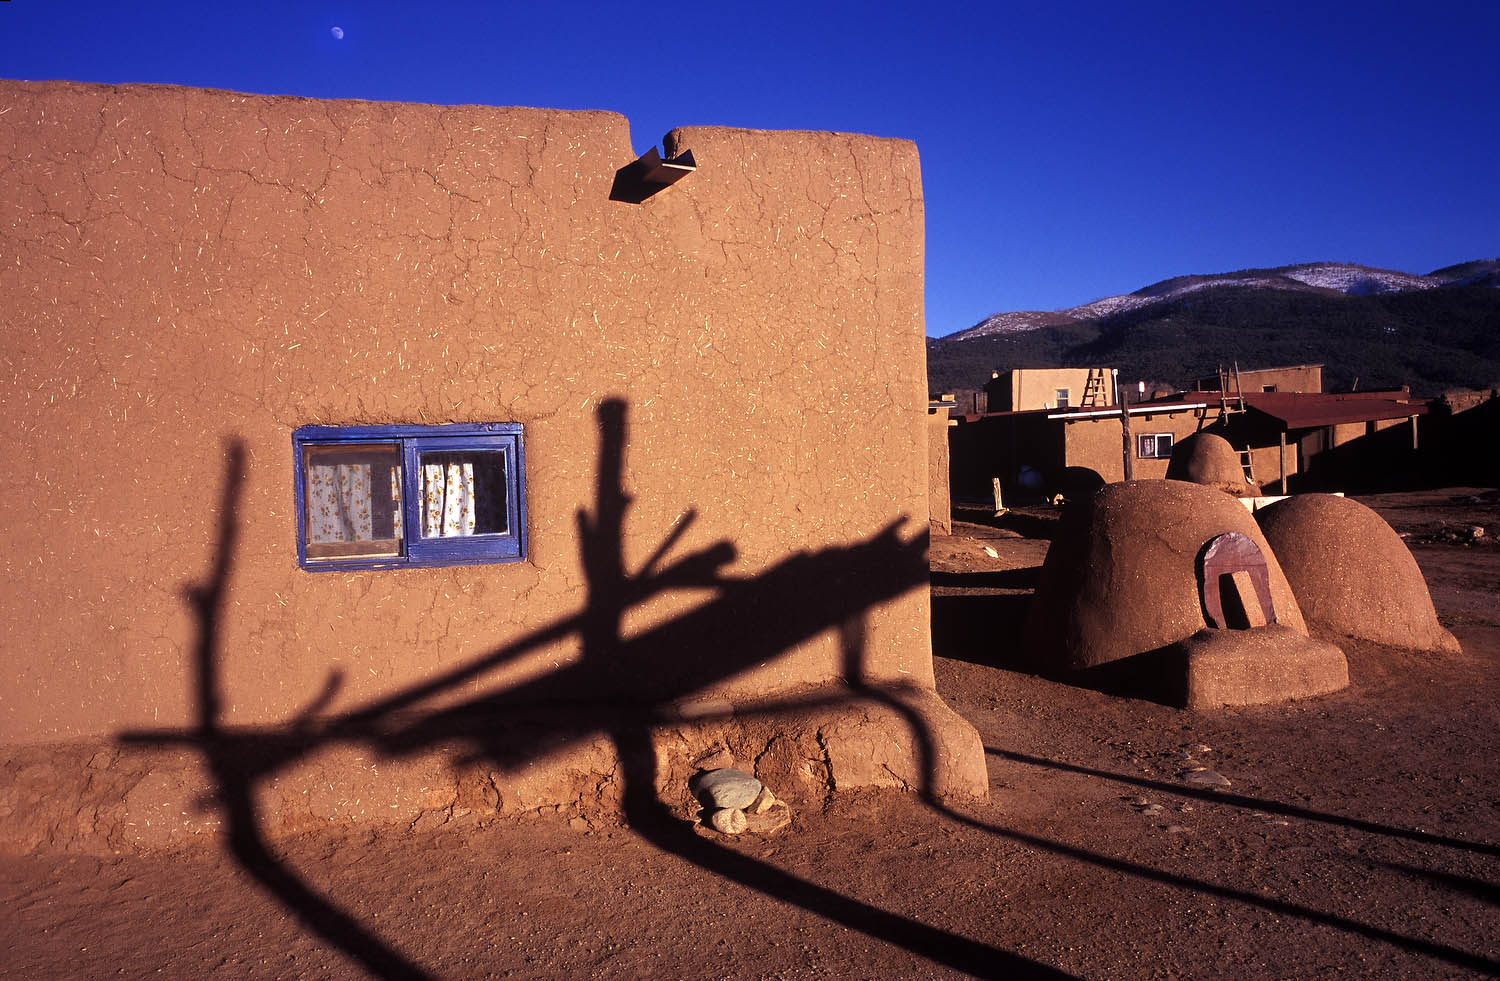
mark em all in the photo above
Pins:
pixel 1069 151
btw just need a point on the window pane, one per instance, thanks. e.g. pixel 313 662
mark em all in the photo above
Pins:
pixel 463 493
pixel 1164 445
pixel 352 500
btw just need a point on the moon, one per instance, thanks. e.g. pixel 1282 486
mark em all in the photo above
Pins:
pixel 338 33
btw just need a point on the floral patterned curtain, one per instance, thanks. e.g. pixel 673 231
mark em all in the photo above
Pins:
pixel 338 504
pixel 341 506
pixel 448 497
pixel 463 494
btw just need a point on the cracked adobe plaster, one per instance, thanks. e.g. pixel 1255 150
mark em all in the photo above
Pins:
pixel 181 267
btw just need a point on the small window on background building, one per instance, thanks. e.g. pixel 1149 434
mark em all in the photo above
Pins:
pixel 1268 388
pixel 1062 398
pixel 376 497
pixel 1154 446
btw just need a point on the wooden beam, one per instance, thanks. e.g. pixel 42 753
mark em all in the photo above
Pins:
pixel 1283 461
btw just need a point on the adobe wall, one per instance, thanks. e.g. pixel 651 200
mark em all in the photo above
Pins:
pixel 1036 388
pixel 188 268
pixel 1293 378
pixel 939 499
pixel 1458 400
pixel 1097 443
pixel 1298 378
pixel 1344 432
pixel 1266 461
pixel 1453 438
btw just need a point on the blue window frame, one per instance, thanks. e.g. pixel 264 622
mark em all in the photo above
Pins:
pixel 393 497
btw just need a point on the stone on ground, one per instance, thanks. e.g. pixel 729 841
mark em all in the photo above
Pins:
pixel 730 821
pixel 726 788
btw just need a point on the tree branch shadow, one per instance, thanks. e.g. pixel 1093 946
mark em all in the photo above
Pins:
pixel 748 621
pixel 234 780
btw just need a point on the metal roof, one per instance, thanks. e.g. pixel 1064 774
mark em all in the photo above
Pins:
pixel 1308 410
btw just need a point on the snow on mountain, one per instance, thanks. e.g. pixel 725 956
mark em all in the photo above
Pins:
pixel 1015 323
pixel 1111 305
pixel 1341 277
pixel 1358 280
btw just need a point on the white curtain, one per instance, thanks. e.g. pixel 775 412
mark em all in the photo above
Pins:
pixel 338 503
pixel 448 499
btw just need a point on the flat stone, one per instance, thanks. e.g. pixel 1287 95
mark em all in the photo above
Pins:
pixel 763 802
pixel 1203 777
pixel 725 788
pixel 774 818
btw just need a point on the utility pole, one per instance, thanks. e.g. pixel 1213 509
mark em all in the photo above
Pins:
pixel 1120 397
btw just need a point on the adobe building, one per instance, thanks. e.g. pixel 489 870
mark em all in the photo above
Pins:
pixel 1046 451
pixel 1050 388
pixel 1301 378
pixel 939 497
pixel 1289 435
pixel 1332 440
pixel 356 433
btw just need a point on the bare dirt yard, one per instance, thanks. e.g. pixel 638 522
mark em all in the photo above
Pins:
pixel 1358 833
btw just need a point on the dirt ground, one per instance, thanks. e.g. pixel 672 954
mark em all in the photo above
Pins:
pixel 1359 833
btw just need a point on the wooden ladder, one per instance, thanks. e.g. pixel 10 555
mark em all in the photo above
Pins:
pixel 1247 464
pixel 1230 402
pixel 1093 389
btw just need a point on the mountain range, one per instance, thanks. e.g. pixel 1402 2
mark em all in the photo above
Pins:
pixel 1370 328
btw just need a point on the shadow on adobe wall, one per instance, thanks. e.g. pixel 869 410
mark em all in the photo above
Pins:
pixel 749 620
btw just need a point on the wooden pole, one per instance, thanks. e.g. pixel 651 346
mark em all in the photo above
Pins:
pixel 1283 461
pixel 1125 429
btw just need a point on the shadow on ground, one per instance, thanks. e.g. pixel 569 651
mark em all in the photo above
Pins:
pixel 633 682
